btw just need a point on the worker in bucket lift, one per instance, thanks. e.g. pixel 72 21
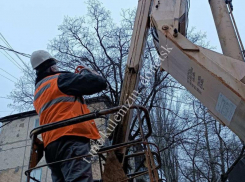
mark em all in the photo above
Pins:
pixel 58 96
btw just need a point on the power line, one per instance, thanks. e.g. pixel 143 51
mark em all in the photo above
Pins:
pixel 16 53
pixel 5 124
pixel 6 42
pixel 15 62
pixel 8 73
pixel 12 50
pixel 23 54
pixel 7 78
pixel 9 48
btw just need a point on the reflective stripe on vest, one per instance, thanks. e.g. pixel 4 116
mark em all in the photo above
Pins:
pixel 46 79
pixel 56 101
pixel 39 93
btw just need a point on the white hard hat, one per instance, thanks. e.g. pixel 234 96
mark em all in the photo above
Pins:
pixel 38 57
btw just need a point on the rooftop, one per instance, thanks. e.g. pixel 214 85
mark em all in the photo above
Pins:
pixel 18 116
pixel 89 101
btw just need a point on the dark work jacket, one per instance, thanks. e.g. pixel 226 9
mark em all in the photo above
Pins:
pixel 78 85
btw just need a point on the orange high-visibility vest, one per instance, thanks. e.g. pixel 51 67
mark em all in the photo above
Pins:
pixel 52 105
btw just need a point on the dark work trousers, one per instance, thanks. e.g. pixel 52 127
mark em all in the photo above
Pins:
pixel 72 171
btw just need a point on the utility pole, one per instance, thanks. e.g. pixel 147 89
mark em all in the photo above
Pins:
pixel 134 65
pixel 130 85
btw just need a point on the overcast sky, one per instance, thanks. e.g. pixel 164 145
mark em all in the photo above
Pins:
pixel 30 25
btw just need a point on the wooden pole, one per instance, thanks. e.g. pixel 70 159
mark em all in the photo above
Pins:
pixel 130 83
pixel 134 64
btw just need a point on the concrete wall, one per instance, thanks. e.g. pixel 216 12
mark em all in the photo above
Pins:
pixel 15 149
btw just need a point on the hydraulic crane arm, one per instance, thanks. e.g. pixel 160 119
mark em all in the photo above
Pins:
pixel 218 81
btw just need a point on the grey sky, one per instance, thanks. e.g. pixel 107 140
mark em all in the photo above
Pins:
pixel 29 25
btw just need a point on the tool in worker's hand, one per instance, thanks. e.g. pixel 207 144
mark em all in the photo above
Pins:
pixel 79 69
pixel 83 70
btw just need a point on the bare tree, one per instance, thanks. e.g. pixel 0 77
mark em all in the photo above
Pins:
pixel 209 148
pixel 22 95
pixel 97 42
pixel 194 147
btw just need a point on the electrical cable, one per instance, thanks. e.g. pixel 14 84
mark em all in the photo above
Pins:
pixel 8 73
pixel 187 13
pixel 6 124
pixel 229 2
pixel 16 53
pixel 13 61
pixel 230 8
pixel 12 50
pixel 7 78
pixel 6 42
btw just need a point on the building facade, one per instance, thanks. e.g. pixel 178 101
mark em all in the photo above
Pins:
pixel 15 147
